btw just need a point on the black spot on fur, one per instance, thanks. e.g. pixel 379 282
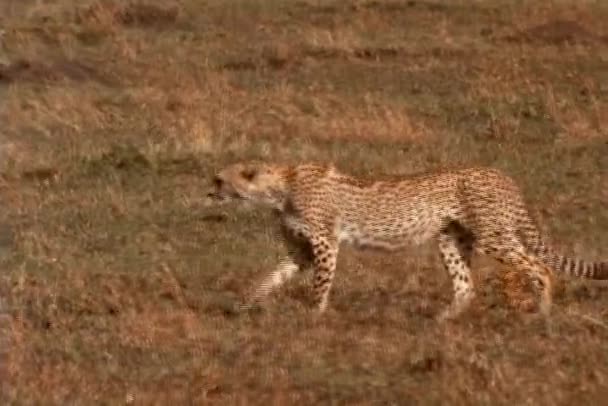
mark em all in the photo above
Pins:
pixel 572 266
pixel 562 264
pixel 249 174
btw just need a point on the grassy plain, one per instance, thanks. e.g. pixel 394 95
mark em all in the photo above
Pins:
pixel 117 279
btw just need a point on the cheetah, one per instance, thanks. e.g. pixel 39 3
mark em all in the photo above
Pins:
pixel 477 209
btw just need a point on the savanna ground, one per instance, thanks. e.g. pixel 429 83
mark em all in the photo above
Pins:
pixel 118 281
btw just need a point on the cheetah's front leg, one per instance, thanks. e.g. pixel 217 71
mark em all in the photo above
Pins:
pixel 286 269
pixel 299 258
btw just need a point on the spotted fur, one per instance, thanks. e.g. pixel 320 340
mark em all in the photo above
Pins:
pixel 473 209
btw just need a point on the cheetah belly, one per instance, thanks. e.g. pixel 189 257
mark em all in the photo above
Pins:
pixel 390 236
pixel 376 232
pixel 361 240
pixel 391 230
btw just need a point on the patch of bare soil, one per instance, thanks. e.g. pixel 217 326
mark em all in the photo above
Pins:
pixel 379 6
pixel 134 14
pixel 555 32
pixel 36 71
pixel 147 15
pixel 382 54
pixel 279 58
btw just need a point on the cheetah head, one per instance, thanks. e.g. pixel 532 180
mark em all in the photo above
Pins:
pixel 254 182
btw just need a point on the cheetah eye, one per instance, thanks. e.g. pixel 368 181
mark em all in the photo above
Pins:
pixel 248 174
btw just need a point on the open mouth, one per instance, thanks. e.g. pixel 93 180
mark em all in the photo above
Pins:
pixel 222 193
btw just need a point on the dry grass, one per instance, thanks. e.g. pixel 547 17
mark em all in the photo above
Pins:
pixel 118 282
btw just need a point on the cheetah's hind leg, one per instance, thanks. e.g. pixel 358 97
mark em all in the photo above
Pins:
pixel 518 290
pixel 514 255
pixel 455 247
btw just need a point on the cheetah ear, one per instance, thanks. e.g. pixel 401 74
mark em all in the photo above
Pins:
pixel 249 174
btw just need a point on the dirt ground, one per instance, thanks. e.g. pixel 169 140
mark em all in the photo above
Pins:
pixel 117 282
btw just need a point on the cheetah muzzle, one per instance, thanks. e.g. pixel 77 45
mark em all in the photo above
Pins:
pixel 222 193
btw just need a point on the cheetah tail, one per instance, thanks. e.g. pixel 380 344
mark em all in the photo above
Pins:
pixel 583 269
pixel 573 266
pixel 559 263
